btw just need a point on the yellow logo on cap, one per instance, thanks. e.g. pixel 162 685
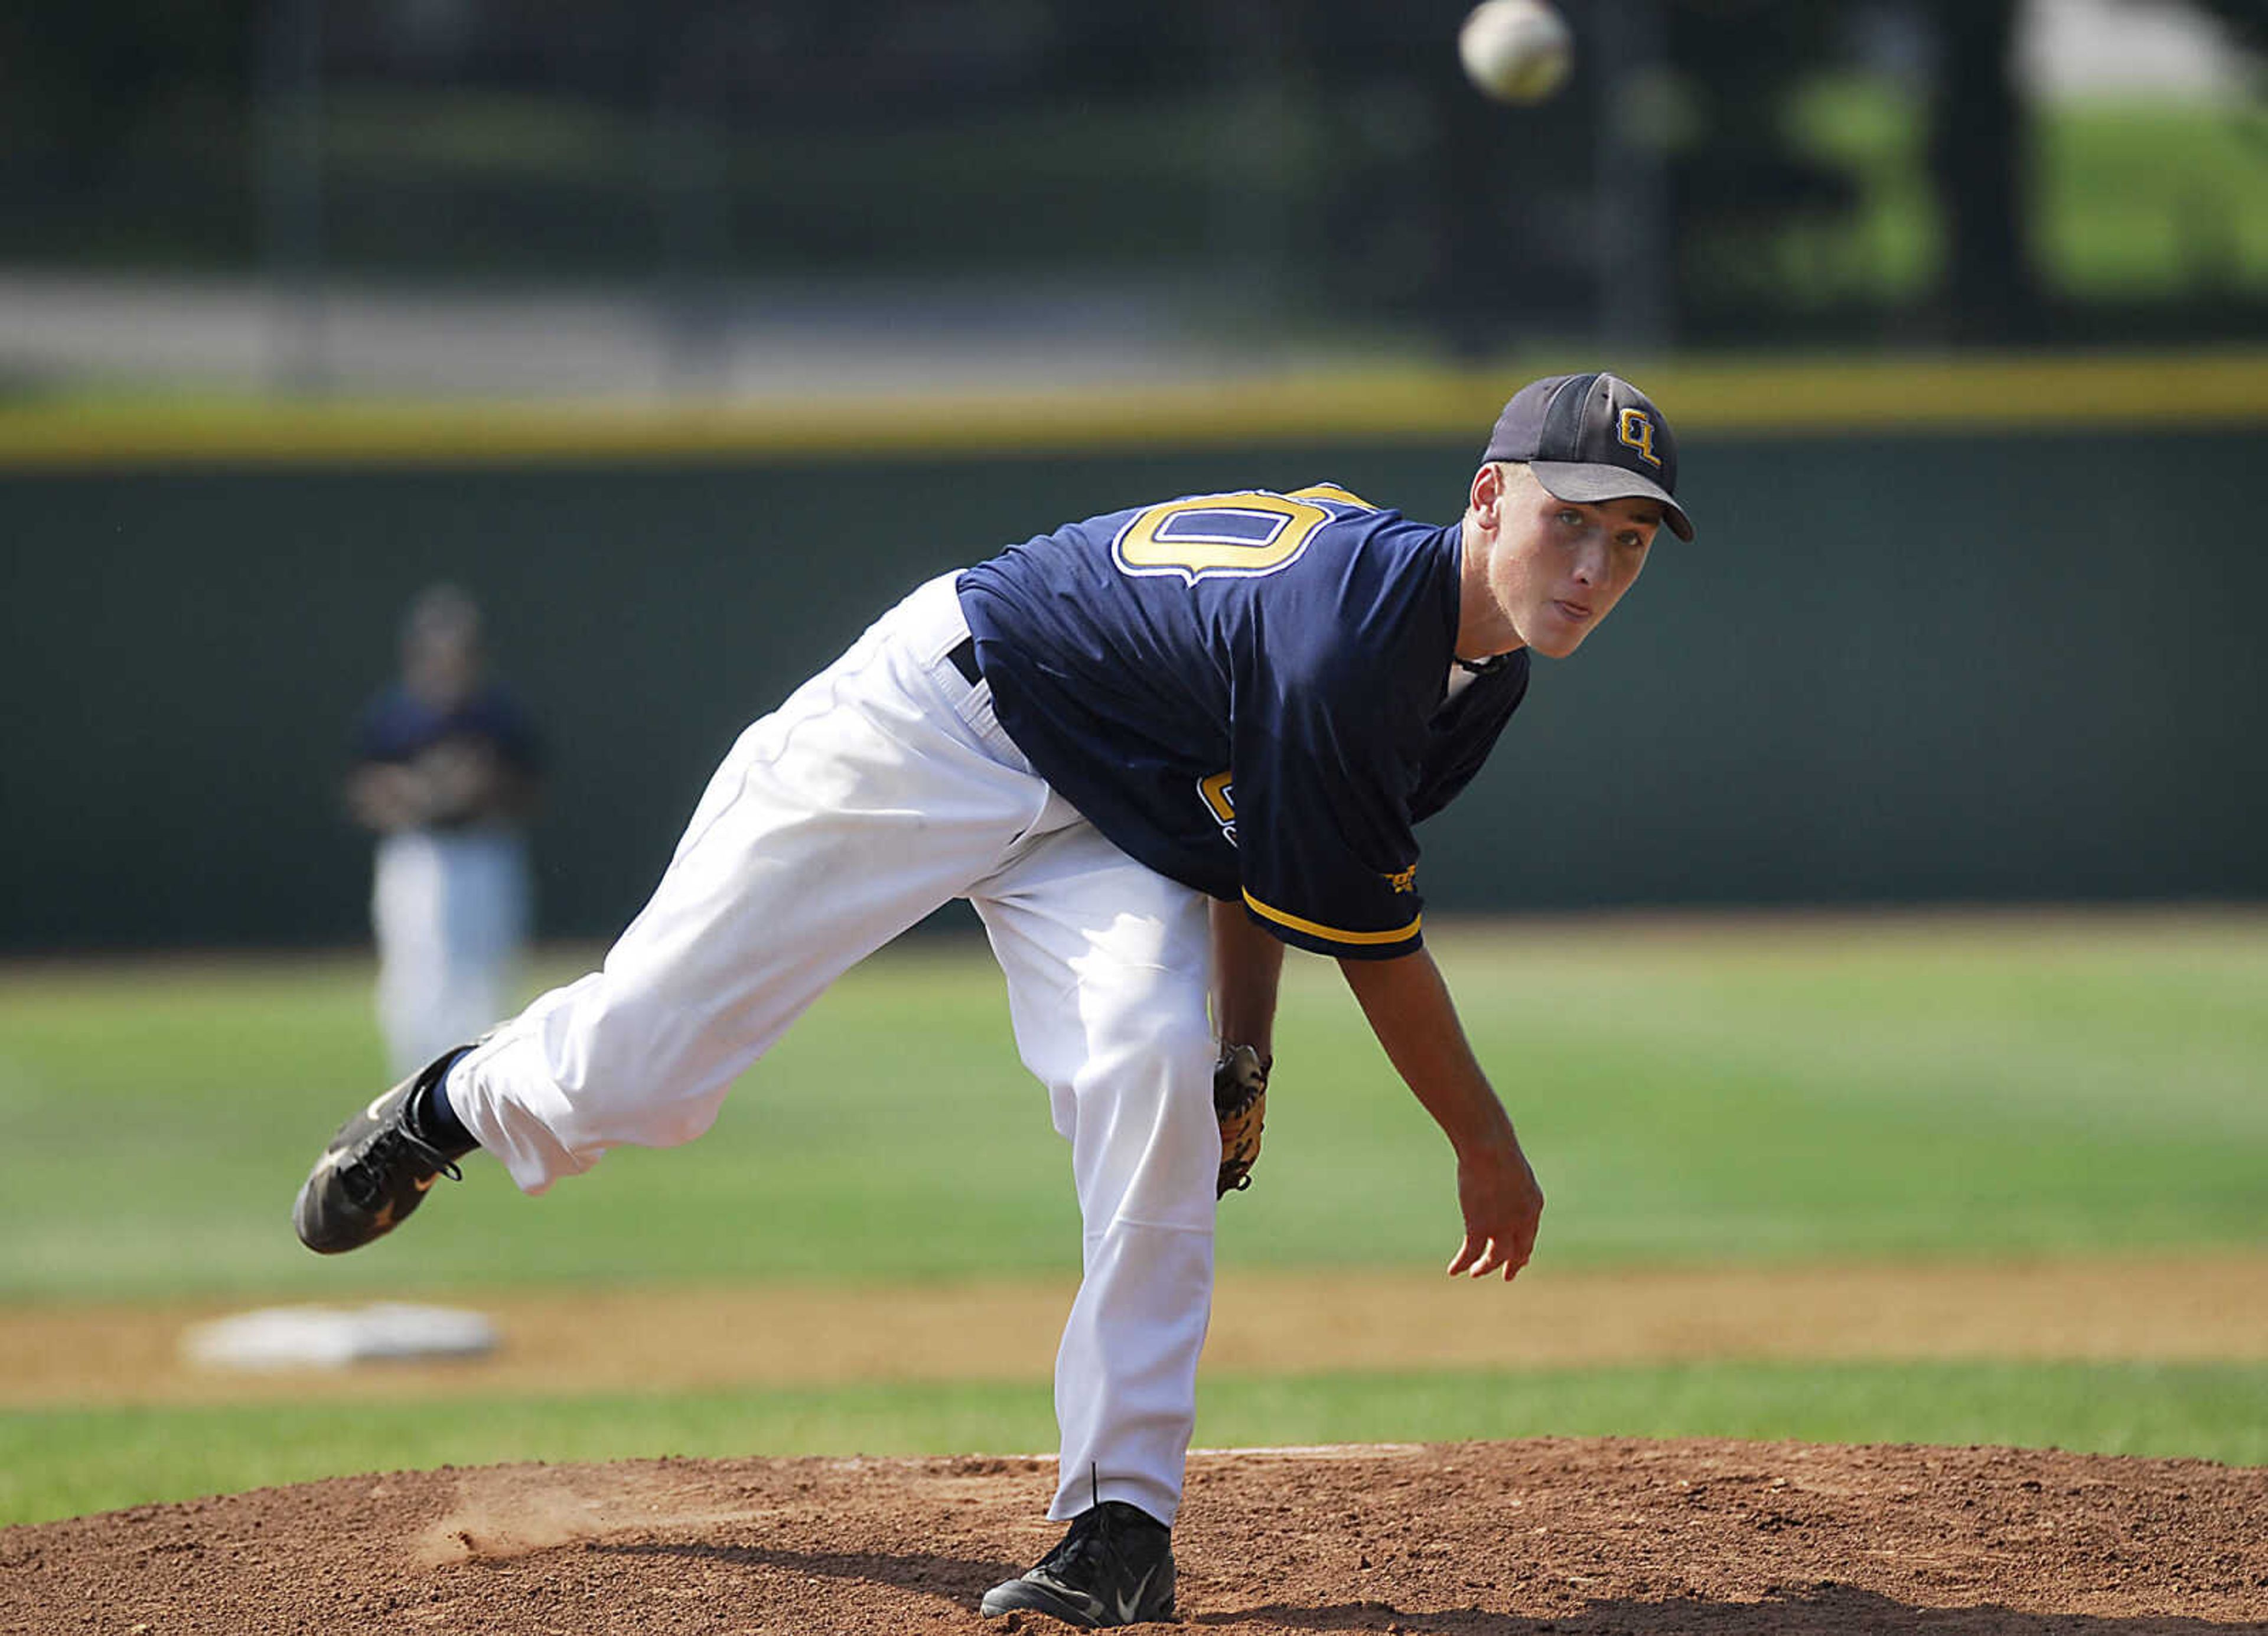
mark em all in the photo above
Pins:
pixel 1636 430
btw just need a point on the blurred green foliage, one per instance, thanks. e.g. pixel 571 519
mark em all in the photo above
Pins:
pixel 1322 163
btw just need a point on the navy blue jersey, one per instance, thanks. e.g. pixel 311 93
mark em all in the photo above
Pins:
pixel 398 725
pixel 401 728
pixel 1249 693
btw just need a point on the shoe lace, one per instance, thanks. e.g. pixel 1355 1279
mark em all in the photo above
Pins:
pixel 1086 1538
pixel 365 1176
pixel 1096 1538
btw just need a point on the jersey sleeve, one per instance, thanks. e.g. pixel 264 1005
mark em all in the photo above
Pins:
pixel 1329 861
pixel 504 723
pixel 385 731
pixel 1324 770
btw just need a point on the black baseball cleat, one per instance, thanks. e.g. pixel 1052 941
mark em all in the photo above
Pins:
pixel 1116 1566
pixel 377 1169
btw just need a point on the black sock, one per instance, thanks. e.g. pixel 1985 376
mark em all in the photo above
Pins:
pixel 435 1121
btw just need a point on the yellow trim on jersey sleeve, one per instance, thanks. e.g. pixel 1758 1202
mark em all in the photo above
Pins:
pixel 1332 932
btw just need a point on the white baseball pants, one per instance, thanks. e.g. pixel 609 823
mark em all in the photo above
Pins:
pixel 880 788
pixel 449 910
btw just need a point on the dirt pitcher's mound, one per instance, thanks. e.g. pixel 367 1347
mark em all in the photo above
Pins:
pixel 1552 1534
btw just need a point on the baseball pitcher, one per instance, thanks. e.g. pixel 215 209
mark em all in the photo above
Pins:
pixel 1152 748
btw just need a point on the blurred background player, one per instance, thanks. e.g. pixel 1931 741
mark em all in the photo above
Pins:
pixel 447 771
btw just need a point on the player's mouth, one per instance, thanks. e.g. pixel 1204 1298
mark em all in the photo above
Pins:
pixel 1574 613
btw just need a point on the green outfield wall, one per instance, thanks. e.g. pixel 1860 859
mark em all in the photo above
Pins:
pixel 1914 655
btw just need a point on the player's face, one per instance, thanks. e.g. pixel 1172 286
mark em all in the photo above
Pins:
pixel 441 667
pixel 1561 566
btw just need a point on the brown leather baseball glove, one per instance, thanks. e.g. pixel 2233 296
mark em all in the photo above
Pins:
pixel 1240 1100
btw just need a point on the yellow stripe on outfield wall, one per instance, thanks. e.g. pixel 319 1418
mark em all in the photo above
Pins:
pixel 1332 932
pixel 1825 397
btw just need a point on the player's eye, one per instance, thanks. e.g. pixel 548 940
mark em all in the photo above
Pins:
pixel 1570 517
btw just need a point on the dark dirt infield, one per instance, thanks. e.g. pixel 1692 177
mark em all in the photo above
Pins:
pixel 1501 1539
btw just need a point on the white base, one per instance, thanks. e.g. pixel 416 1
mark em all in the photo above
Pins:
pixel 287 1338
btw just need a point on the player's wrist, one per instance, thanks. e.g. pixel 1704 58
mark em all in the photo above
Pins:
pixel 1486 1139
pixel 1230 1044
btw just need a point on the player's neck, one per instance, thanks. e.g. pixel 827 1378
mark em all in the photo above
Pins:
pixel 1484 630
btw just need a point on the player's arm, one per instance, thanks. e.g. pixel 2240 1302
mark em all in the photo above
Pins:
pixel 1409 1010
pixel 386 796
pixel 1247 962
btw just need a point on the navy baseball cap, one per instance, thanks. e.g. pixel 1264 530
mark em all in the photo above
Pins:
pixel 1592 438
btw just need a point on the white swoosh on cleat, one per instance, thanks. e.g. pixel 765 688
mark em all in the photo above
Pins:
pixel 1127 1606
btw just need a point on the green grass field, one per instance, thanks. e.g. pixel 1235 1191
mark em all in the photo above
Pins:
pixel 1692 1093
pixel 70 1463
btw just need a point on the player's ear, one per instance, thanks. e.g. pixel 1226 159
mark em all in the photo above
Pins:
pixel 1487 494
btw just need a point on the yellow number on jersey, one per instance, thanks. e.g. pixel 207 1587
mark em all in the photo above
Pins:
pixel 1233 535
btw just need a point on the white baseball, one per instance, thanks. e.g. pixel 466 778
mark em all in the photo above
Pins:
pixel 1515 50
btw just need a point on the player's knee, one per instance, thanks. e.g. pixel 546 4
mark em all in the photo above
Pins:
pixel 1173 1042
